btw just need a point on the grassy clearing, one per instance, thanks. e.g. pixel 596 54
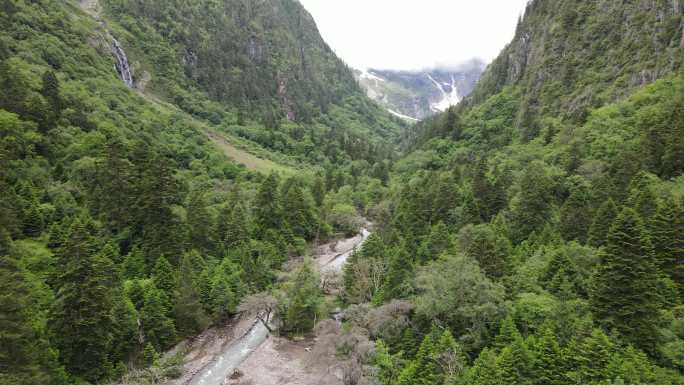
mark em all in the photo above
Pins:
pixel 252 162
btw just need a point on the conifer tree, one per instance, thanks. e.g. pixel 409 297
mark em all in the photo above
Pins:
pixel 267 206
pixel 547 364
pixel 157 328
pixel 163 275
pixel 198 218
pixel 399 277
pixel 531 207
pixel 51 93
pixel 318 191
pixel 383 360
pixel 408 343
pixel 437 242
pixel 562 270
pixel 422 370
pixel 641 197
pixel 149 355
pixel 124 328
pixel 237 228
pixel 303 300
pixel 589 357
pixel 666 230
pixel 298 212
pixel 489 248
pixel 575 214
pixel 25 353
pixel 189 314
pixel 484 370
pixel 81 316
pixel 226 288
pixel 115 185
pixel 33 219
pixel 606 214
pixel 515 363
pixel 134 265
pixel 508 333
pixel 625 289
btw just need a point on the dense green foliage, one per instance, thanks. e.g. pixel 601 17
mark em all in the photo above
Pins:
pixel 122 228
pixel 542 214
pixel 259 70
pixel 531 235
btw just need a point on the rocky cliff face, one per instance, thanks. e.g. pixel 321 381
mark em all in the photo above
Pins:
pixel 414 95
pixel 263 54
pixel 571 56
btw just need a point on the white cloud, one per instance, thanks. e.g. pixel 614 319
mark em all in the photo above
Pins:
pixel 414 34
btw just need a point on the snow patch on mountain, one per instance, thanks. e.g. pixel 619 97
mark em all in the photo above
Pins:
pixel 400 115
pixel 450 95
pixel 365 74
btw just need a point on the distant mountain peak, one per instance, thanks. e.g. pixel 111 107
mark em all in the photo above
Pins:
pixel 416 94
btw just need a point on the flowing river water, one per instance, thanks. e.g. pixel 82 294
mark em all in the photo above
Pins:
pixel 223 365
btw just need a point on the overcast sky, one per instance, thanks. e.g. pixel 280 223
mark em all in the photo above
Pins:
pixel 415 34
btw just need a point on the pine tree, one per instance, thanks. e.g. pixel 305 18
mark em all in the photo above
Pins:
pixel 560 271
pixel 318 191
pixel 237 228
pixel 508 333
pixel 303 300
pixel 487 246
pixel 422 370
pixel 408 343
pixel 488 197
pixel 383 360
pixel 575 214
pixel 606 214
pixel 515 363
pixel 531 207
pixel 198 222
pixel 189 314
pixel 666 231
pixel 157 328
pixel 33 220
pixel 267 208
pixel 641 197
pixel 124 328
pixel 149 355
pixel 589 357
pixel 484 370
pixel 547 364
pixel 134 264
pixel 163 275
pixel 115 190
pixel 81 316
pixel 157 193
pixel 625 293
pixel 51 93
pixel 226 289
pixel 399 277
pixel 25 353
pixel 298 212
pixel 451 361
pixel 437 242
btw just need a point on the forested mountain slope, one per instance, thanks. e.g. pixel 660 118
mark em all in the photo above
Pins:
pixel 534 231
pixel 261 60
pixel 122 228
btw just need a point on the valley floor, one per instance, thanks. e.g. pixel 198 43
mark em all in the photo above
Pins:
pixel 244 353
